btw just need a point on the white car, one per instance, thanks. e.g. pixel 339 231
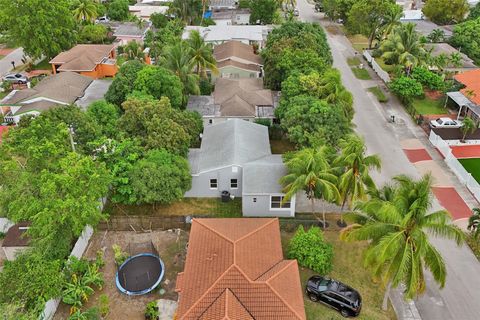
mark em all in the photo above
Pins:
pixel 445 123
pixel 103 19
pixel 16 78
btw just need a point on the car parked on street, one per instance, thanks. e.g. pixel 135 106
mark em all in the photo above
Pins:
pixel 335 295
pixel 445 123
pixel 16 78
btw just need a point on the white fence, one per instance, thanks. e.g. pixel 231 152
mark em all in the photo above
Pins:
pixel 78 250
pixel 463 175
pixel 376 67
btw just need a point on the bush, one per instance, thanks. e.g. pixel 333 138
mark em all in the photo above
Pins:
pixel 104 305
pixel 206 88
pixel 151 312
pixel 119 254
pixel 406 89
pixel 311 250
pixel 428 79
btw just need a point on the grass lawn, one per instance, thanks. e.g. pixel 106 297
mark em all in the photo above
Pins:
pixel 281 146
pixel 378 93
pixel 386 67
pixel 353 61
pixel 348 268
pixel 472 166
pixel 429 106
pixel 361 74
pixel 42 65
pixel 187 206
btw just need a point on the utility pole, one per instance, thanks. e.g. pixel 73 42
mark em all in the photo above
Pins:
pixel 71 132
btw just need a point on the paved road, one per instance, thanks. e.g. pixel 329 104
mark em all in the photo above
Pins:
pixel 460 298
pixel 6 62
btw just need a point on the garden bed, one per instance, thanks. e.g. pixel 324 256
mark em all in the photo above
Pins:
pixel 348 268
pixel 172 250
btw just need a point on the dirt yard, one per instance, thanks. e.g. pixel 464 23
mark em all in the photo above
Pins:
pixel 171 247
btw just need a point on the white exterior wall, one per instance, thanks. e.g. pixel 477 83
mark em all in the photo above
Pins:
pixel 201 183
pixel 242 18
pixel 261 207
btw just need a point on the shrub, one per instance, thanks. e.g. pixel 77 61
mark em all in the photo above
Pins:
pixel 406 89
pixel 206 88
pixel 119 254
pixel 151 312
pixel 428 79
pixel 311 250
pixel 104 305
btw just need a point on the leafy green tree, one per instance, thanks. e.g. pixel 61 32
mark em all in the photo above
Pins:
pixel 159 20
pixel 31 280
pixel 42 28
pixel 466 36
pixel 474 12
pixel 398 230
pixel 428 79
pixel 355 166
pixel 311 250
pixel 309 170
pixel 337 9
pixel 187 10
pixel 123 83
pixel 403 47
pixel 93 33
pixel 446 11
pixel 327 86
pixel 263 11
pixel 474 223
pixel 15 311
pixel 118 10
pixel 406 88
pixel 178 59
pixel 84 10
pixel 106 116
pixel 160 82
pixel 289 39
pixel 161 177
pixel 153 123
pixel 309 121
pixel 468 126
pixel 300 61
pixel 202 55
pixel 368 17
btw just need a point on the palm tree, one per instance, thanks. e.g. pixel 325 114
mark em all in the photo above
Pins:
pixel 134 51
pixel 85 10
pixel 202 54
pixel 309 170
pixel 468 126
pixel 397 226
pixel 436 36
pixel 455 59
pixel 403 46
pixel 354 167
pixel 186 10
pixel 177 58
pixel 474 223
pixel 391 20
pixel 204 6
pixel 440 61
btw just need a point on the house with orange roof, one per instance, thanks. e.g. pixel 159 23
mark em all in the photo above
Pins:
pixel 92 60
pixel 235 269
pixel 468 98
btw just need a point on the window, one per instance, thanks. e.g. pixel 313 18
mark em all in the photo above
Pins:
pixel 276 203
pixel 213 184
pixel 254 199
pixel 233 183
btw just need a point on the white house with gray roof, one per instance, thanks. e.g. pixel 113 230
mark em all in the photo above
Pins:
pixel 235 156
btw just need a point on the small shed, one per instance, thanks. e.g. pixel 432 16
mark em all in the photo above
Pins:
pixel 16 240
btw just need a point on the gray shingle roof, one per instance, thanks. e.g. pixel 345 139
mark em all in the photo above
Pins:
pixel 130 29
pixel 232 142
pixel 263 175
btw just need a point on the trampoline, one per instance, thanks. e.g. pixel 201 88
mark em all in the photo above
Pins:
pixel 140 273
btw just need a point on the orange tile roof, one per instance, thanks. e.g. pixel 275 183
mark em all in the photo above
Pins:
pixel 471 80
pixel 235 270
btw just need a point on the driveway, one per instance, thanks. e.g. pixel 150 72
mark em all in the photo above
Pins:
pixel 95 91
pixel 6 63
pixel 459 299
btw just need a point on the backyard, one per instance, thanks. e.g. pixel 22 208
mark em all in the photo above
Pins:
pixel 472 165
pixel 171 247
pixel 348 268
pixel 281 146
pixel 429 106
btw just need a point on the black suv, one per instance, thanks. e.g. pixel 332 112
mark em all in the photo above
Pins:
pixel 334 294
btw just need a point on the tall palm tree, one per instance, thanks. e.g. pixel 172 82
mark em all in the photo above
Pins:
pixel 397 226
pixel 455 59
pixel 202 54
pixel 474 223
pixel 309 171
pixel 186 10
pixel 204 7
pixel 403 46
pixel 436 36
pixel 85 10
pixel 354 166
pixel 391 20
pixel 177 58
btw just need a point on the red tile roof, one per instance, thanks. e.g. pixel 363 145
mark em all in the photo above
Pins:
pixel 471 80
pixel 235 270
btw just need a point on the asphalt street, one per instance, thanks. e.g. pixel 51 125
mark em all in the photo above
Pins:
pixel 460 298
